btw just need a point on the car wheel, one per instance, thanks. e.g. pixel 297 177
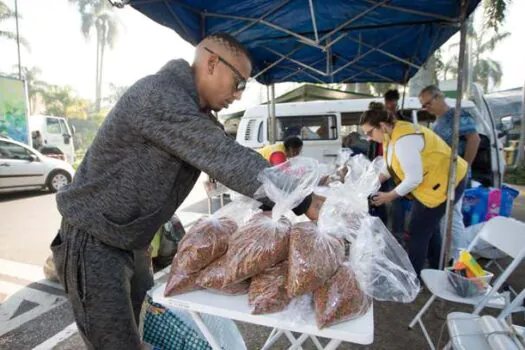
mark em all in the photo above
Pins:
pixel 57 180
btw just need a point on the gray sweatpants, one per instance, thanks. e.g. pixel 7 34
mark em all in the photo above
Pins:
pixel 105 285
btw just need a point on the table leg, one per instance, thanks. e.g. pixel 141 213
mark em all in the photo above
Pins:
pixel 333 344
pixel 317 343
pixel 207 334
pixel 297 344
pixel 274 336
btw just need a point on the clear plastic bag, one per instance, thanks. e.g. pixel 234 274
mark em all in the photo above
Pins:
pixel 263 241
pixel 205 241
pixel 267 293
pixel 213 276
pixel 340 299
pixel 259 244
pixel 208 238
pixel 313 258
pixel 180 282
pixel 381 265
pixel 288 183
pixel 346 203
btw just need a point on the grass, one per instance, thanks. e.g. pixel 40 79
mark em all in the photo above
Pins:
pixel 79 155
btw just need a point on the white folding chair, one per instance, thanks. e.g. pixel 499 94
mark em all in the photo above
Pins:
pixel 470 331
pixel 506 234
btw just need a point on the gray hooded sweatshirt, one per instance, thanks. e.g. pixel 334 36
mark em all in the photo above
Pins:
pixel 146 158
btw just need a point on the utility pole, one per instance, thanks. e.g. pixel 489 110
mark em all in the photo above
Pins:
pixel 18 41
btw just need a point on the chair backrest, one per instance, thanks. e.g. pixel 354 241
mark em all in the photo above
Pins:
pixel 517 302
pixel 506 234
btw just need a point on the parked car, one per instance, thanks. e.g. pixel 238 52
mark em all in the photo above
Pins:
pixel 24 168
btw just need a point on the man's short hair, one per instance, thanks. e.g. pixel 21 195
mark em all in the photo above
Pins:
pixel 293 142
pixel 230 43
pixel 376 106
pixel 432 90
pixel 391 95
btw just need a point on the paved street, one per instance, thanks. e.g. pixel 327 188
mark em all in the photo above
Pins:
pixel 34 312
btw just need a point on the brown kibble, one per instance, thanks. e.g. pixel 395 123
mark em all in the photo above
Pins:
pixel 206 241
pixel 234 289
pixel 340 299
pixel 259 244
pixel 267 292
pixel 180 282
pixel 313 258
pixel 212 278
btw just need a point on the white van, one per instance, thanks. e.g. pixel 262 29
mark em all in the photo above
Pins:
pixel 322 125
pixel 56 132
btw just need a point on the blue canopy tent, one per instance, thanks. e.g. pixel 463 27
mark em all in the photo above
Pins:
pixel 319 41
pixel 327 41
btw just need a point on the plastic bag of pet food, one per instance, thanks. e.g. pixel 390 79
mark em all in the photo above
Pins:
pixel 313 258
pixel 206 241
pixel 212 278
pixel 263 241
pixel 267 293
pixel 340 299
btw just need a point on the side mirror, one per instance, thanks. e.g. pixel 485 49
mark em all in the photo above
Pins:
pixel 32 157
pixel 507 123
pixel 73 130
pixel 67 138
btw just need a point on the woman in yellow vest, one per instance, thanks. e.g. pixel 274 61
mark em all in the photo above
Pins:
pixel 418 161
pixel 280 152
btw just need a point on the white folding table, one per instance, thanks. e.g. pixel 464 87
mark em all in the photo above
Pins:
pixel 359 330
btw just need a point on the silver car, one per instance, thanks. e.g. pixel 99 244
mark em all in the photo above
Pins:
pixel 24 168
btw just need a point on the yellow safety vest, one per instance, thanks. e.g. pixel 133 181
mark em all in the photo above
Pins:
pixel 267 151
pixel 435 157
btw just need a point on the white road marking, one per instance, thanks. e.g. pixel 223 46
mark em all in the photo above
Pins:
pixel 44 301
pixel 58 338
pixel 72 328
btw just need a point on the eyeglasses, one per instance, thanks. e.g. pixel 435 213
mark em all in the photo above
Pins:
pixel 240 82
pixel 429 103
pixel 370 132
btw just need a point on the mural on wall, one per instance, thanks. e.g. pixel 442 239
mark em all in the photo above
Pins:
pixel 13 112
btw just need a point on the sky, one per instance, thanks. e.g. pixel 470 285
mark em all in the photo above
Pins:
pixel 65 57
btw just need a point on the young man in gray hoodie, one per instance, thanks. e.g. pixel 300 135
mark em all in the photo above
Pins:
pixel 144 161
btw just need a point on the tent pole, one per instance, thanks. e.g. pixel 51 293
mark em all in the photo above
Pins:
pixel 273 136
pixel 445 247
pixel 403 99
pixel 18 41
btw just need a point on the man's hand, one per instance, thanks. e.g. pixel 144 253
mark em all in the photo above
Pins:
pixel 315 207
pixel 381 198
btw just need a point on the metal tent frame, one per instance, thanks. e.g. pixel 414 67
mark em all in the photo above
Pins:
pixel 318 52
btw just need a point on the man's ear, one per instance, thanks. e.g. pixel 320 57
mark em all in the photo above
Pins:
pixel 213 60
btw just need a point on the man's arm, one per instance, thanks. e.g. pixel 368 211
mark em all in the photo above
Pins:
pixel 468 130
pixel 471 147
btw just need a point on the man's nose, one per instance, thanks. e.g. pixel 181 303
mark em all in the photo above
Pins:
pixel 238 94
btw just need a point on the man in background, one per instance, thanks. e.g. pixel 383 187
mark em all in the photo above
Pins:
pixel 433 101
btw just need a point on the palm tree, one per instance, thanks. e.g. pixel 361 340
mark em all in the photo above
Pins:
pixel 98 14
pixel 484 69
pixel 35 86
pixel 494 16
pixel 7 14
